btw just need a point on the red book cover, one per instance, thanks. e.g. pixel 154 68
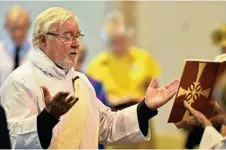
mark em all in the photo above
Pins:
pixel 196 87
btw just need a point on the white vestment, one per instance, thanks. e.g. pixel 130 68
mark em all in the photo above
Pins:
pixel 22 98
pixel 212 139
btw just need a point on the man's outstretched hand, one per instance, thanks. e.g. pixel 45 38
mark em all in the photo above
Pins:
pixel 156 97
pixel 59 104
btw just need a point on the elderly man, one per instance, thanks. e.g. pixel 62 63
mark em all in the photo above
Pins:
pixel 15 46
pixel 49 105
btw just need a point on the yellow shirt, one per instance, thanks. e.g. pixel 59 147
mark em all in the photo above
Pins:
pixel 127 75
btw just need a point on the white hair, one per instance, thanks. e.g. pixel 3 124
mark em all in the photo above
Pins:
pixel 15 12
pixel 115 25
pixel 47 18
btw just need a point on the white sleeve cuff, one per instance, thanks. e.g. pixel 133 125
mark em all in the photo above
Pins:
pixel 209 138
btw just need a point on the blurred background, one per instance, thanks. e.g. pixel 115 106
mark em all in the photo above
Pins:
pixel 170 31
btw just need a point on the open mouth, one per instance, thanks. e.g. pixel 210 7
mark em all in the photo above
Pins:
pixel 73 53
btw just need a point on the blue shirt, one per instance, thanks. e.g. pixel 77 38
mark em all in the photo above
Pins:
pixel 11 47
pixel 99 89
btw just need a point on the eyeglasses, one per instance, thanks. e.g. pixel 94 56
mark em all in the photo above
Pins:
pixel 67 38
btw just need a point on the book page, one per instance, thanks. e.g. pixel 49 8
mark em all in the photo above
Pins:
pixel 200 60
pixel 220 58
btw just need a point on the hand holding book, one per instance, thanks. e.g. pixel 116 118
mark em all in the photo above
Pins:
pixel 196 88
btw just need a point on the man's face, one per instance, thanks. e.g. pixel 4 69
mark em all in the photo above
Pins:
pixel 59 49
pixel 17 30
pixel 119 43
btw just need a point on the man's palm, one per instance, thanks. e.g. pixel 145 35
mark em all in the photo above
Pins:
pixel 156 97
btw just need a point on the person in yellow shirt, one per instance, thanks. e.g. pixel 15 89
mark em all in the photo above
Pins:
pixel 125 70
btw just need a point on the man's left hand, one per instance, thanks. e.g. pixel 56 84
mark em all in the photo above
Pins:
pixel 156 97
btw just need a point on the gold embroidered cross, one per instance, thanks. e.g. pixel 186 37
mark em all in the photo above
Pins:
pixel 195 90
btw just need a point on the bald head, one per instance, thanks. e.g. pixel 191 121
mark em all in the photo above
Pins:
pixel 17 24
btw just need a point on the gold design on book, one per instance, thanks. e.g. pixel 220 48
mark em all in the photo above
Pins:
pixel 195 90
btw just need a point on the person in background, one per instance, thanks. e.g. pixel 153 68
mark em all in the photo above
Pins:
pixel 218 39
pixel 15 46
pixel 124 69
pixel 98 86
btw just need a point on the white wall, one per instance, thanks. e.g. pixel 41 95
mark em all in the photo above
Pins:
pixel 173 31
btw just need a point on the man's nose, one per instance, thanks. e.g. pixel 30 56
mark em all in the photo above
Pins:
pixel 75 42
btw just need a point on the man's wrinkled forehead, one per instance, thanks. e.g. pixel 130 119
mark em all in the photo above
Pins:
pixel 68 26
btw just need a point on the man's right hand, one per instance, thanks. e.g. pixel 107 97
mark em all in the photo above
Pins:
pixel 59 104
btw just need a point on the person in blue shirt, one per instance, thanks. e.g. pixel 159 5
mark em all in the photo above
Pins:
pixel 15 44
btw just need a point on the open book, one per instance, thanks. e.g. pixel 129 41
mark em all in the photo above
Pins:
pixel 196 86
